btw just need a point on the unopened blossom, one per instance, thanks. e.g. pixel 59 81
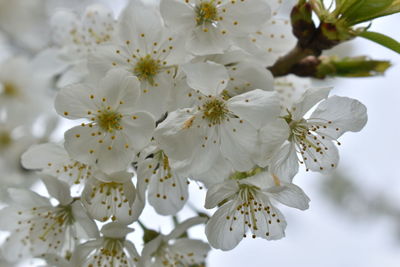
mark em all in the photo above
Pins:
pixel 53 159
pixel 115 131
pixel 217 126
pixel 38 227
pixel 312 140
pixel 112 249
pixel 211 25
pixel 146 49
pixel 172 250
pixel 167 190
pixel 245 203
pixel 110 197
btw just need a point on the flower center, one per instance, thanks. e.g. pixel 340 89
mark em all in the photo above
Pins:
pixel 146 68
pixel 215 111
pixel 109 120
pixel 59 218
pixel 10 90
pixel 206 12
pixel 5 140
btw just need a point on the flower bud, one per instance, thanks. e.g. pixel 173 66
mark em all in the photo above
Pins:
pixel 302 23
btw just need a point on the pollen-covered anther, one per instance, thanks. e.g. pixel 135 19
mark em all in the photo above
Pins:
pixel 147 68
pixel 109 120
pixel 215 111
pixel 206 12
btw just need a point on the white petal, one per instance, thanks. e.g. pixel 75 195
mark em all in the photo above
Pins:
pixel 79 147
pixel 291 195
pixel 346 114
pixel 27 198
pixel 223 233
pixel 194 251
pixel 258 107
pixel 120 89
pixel 169 196
pixel 40 156
pixel 271 138
pixel 82 218
pixel 57 189
pixel 138 19
pixel 177 14
pixel 309 99
pixel 205 43
pixel 243 17
pixel 139 128
pixel 284 163
pixel 74 102
pixel 324 160
pixel 116 230
pixel 209 78
pixel 184 226
pixel 220 192
pixel 238 143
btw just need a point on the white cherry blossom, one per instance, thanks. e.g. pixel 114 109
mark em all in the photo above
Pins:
pixel 75 38
pixel 217 127
pixel 38 227
pixel 173 250
pixel 111 249
pixel 21 90
pixel 116 129
pixel 146 49
pixel 313 138
pixel 167 190
pixel 110 197
pixel 247 204
pixel 53 159
pixel 210 25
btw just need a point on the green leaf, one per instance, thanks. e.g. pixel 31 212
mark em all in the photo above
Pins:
pixel 365 10
pixel 382 39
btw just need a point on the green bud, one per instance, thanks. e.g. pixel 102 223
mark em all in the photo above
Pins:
pixel 302 23
pixel 350 67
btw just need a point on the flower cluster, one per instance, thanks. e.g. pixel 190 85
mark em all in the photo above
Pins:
pixel 160 96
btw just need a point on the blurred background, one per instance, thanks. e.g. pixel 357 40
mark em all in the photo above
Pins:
pixel 354 217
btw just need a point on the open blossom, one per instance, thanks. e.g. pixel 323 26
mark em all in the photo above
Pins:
pixel 314 138
pixel 167 190
pixel 53 159
pixel 211 25
pixel 112 249
pixel 172 250
pixel 216 127
pixel 116 129
pixel 112 197
pixel 75 38
pixel 146 49
pixel 272 39
pixel 38 227
pixel 21 90
pixel 246 205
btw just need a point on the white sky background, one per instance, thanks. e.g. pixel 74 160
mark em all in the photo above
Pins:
pixel 323 236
